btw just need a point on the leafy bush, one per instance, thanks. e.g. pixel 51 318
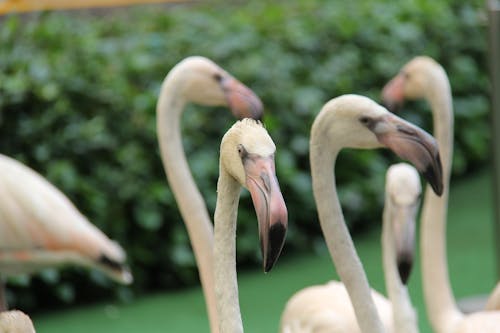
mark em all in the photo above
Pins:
pixel 78 94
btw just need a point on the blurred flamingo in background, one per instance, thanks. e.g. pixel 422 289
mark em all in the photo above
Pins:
pixel 198 80
pixel 423 77
pixel 40 228
pixel 327 308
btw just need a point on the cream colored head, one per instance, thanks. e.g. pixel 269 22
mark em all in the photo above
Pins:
pixel 200 80
pixel 346 127
pixel 247 136
pixel 402 185
pixel 417 79
pixel 353 121
pixel 247 154
pixel 402 198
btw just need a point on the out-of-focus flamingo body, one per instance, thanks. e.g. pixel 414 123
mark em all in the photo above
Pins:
pixel 40 228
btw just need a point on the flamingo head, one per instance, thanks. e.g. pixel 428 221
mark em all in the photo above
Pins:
pixel 204 82
pixel 402 198
pixel 353 121
pixel 247 154
pixel 412 82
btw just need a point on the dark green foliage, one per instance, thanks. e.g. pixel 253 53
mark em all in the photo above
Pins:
pixel 78 95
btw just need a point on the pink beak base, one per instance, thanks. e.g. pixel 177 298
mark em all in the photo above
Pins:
pixel 393 94
pixel 242 101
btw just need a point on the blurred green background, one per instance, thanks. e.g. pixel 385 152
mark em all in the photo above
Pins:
pixel 78 92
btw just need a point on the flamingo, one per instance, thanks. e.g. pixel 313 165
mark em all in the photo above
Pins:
pixel 423 77
pixel 246 160
pixel 15 322
pixel 353 121
pixel 327 308
pixel 40 228
pixel 199 80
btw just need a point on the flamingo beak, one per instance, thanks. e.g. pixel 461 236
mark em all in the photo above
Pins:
pixel 269 205
pixel 393 93
pixel 403 228
pixel 241 100
pixel 413 144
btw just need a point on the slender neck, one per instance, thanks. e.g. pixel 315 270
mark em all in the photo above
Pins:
pixel 189 199
pixel 338 239
pixel 226 282
pixel 403 314
pixel 440 302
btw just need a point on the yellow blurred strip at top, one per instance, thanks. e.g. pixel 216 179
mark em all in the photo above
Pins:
pixel 16 6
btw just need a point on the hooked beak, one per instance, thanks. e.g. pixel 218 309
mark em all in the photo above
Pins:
pixel 241 100
pixel 403 228
pixel 269 205
pixel 392 94
pixel 413 144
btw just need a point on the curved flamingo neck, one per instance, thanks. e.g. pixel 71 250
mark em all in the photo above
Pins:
pixel 403 314
pixel 188 198
pixel 441 307
pixel 338 239
pixel 226 281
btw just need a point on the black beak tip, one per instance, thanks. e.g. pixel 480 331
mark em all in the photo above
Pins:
pixel 404 269
pixel 433 175
pixel 257 110
pixel 276 240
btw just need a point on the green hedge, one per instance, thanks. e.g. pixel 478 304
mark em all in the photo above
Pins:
pixel 77 103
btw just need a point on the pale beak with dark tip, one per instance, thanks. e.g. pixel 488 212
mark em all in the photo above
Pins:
pixel 269 205
pixel 404 238
pixel 410 143
pixel 392 94
pixel 241 100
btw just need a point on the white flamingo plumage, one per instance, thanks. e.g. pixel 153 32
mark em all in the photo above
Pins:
pixel 423 77
pixel 353 121
pixel 40 228
pixel 197 80
pixel 246 160
pixel 327 308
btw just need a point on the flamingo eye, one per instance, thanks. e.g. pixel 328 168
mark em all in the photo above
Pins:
pixel 217 77
pixel 365 121
pixel 242 151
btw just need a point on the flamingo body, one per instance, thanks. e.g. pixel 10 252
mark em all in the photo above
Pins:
pixel 40 228
pixel 327 308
